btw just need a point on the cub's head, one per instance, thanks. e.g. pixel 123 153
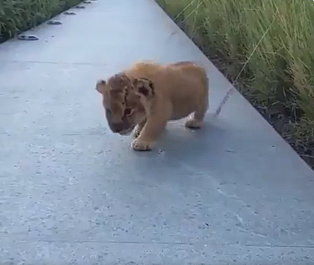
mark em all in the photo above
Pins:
pixel 123 101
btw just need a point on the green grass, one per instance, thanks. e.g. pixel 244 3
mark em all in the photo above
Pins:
pixel 19 15
pixel 278 78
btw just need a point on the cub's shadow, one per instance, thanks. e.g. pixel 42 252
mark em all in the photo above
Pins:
pixel 192 150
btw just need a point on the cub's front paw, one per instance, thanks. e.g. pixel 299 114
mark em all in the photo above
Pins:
pixel 193 124
pixel 139 145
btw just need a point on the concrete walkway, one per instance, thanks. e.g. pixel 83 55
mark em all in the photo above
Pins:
pixel 72 192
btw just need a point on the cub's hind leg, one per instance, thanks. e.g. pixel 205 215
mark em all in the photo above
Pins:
pixel 196 121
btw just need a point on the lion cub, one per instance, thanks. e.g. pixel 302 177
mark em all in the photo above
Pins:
pixel 149 95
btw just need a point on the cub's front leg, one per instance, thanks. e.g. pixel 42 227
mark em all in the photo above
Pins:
pixel 139 128
pixel 153 127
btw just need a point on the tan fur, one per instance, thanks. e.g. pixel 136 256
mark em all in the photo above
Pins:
pixel 157 94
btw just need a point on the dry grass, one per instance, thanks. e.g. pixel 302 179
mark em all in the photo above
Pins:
pixel 20 15
pixel 278 79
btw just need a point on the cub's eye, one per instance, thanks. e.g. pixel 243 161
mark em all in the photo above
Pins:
pixel 127 111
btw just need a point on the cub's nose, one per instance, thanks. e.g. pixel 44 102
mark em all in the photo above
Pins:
pixel 117 127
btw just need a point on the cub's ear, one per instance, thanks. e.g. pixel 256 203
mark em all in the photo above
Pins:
pixel 101 86
pixel 144 87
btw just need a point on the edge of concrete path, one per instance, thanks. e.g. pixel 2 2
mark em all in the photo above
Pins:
pixel 51 17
